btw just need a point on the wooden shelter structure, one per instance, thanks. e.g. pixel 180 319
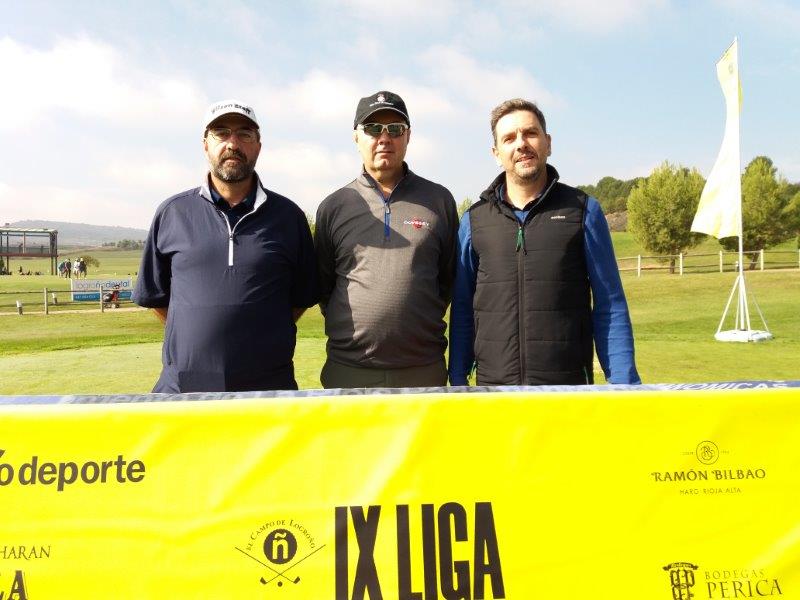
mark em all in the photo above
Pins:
pixel 16 242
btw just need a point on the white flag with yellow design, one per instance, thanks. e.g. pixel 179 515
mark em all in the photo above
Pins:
pixel 720 207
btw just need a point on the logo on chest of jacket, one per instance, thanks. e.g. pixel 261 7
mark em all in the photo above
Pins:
pixel 417 223
pixel 558 218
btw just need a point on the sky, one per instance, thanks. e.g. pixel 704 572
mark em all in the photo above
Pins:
pixel 101 103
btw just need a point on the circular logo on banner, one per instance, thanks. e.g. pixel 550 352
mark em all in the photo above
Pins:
pixel 707 452
pixel 286 545
pixel 280 546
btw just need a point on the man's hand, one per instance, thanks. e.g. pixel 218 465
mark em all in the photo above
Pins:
pixel 161 313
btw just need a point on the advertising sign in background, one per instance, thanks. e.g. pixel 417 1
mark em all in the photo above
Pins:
pixel 657 495
pixel 85 290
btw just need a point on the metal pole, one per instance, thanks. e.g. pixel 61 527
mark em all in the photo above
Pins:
pixel 680 263
pixel 761 257
pixel 639 264
pixel 720 261
pixel 46 308
pixel 102 308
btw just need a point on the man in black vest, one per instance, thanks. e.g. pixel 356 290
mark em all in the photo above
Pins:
pixel 537 286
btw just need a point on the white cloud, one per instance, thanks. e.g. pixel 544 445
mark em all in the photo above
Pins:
pixel 483 84
pixel 89 79
pixel 244 23
pixel 414 11
pixel 307 172
pixel 422 101
pixel 584 15
pixel 308 160
pixel 319 96
pixel 773 12
pixel 365 49
pixel 322 97
pixel 422 149
pixel 154 173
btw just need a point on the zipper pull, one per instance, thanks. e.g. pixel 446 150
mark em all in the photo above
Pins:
pixel 472 370
pixel 386 217
pixel 520 238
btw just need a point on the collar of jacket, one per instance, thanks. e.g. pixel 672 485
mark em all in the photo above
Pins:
pixel 261 191
pixel 490 194
pixel 367 179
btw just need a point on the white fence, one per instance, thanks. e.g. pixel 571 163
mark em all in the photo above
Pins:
pixel 49 301
pixel 707 263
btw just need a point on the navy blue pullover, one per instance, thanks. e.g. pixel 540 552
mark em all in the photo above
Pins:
pixel 230 291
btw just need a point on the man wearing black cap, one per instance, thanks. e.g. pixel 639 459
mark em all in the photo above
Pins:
pixel 229 266
pixel 386 245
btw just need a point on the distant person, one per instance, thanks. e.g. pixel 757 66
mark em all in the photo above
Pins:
pixel 537 284
pixel 386 250
pixel 80 268
pixel 229 267
pixel 68 268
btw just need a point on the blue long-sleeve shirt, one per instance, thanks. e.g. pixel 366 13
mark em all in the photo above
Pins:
pixel 611 324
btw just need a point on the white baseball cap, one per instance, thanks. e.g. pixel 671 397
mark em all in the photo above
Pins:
pixel 228 107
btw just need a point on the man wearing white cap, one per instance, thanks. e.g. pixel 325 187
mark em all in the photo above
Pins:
pixel 229 267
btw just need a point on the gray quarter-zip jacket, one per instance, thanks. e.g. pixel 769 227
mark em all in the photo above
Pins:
pixel 386 270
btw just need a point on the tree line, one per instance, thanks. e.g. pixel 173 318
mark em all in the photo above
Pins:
pixel 661 208
pixel 125 244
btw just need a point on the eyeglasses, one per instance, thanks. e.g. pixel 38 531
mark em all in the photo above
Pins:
pixel 376 129
pixel 223 134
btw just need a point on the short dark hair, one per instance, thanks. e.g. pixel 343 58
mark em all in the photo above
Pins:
pixel 513 105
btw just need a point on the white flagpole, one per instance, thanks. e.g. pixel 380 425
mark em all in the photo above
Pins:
pixel 742 331
pixel 744 325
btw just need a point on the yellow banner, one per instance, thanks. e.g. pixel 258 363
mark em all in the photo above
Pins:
pixel 641 495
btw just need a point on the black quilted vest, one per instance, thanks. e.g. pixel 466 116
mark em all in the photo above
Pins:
pixel 532 299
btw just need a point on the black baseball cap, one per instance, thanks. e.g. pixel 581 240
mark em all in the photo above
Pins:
pixel 380 101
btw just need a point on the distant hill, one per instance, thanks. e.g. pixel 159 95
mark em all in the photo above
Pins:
pixel 81 234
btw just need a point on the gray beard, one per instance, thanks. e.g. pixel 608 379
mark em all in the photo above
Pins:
pixel 233 174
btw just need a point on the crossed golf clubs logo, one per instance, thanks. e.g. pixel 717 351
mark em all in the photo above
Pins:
pixel 280 547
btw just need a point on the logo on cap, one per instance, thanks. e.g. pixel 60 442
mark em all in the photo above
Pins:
pixel 220 107
pixel 381 98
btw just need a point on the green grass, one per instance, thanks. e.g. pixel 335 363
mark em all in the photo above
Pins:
pixel 674 319
pixel 115 352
